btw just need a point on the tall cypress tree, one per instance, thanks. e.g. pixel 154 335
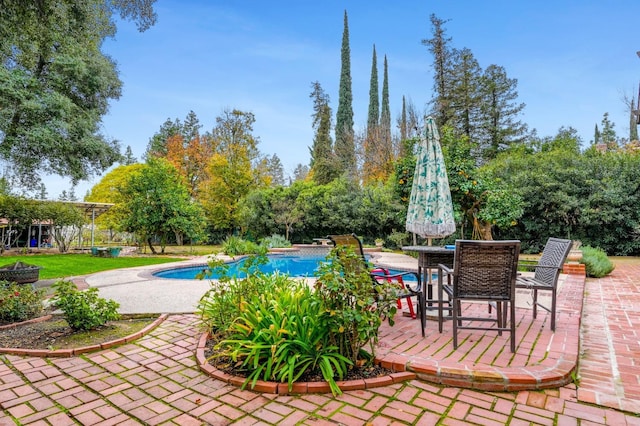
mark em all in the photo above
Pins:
pixel 374 102
pixel 373 120
pixel 634 119
pixel 385 112
pixel 344 144
pixel 403 121
pixel 386 147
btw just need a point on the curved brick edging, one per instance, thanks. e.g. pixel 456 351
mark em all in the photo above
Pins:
pixel 486 378
pixel 298 387
pixel 67 353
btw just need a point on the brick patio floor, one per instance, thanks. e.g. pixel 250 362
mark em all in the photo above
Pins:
pixel 155 380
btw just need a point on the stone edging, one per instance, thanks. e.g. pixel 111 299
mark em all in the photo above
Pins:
pixel 67 353
pixel 298 387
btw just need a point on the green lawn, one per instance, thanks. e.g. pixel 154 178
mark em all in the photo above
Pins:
pixel 69 265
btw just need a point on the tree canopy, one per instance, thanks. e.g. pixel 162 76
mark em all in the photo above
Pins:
pixel 56 84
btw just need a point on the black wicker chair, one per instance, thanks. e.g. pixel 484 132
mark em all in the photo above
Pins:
pixel 482 271
pixel 547 271
pixel 377 275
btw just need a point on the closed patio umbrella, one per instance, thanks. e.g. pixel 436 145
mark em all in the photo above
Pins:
pixel 430 212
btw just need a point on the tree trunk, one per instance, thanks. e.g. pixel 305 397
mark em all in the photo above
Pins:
pixel 153 250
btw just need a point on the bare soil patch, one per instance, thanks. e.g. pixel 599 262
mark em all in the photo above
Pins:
pixel 55 333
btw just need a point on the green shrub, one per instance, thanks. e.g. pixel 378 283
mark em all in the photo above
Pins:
pixel 596 262
pixel 234 246
pixel 353 306
pixel 19 302
pixel 274 241
pixel 83 310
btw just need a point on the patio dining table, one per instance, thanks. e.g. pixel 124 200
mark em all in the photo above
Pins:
pixel 429 257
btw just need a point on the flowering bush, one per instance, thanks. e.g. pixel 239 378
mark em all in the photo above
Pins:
pixel 19 302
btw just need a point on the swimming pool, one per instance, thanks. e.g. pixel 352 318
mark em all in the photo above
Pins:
pixel 294 266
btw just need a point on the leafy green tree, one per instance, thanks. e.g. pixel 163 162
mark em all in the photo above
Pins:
pixel 157 204
pixel 550 179
pixel 285 209
pixel 345 142
pixel 19 212
pixel 56 84
pixel 66 222
pixel 481 201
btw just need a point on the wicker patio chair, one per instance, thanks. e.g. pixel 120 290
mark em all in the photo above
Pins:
pixel 547 272
pixel 405 291
pixel 482 271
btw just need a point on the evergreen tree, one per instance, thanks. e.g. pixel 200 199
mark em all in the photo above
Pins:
pixel 372 136
pixel 374 102
pixel 345 144
pixel 386 150
pixel 634 119
pixel 596 135
pixel 385 112
pixel 275 170
pixel 608 134
pixel 438 45
pixel 157 146
pixel 499 112
pixel 323 161
pixel 300 172
pixel 466 96
pixel 128 158
pixel 403 121
pixel 42 192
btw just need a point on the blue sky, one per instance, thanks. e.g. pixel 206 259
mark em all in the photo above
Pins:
pixel 574 61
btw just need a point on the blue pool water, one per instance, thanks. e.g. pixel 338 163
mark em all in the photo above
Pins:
pixel 294 266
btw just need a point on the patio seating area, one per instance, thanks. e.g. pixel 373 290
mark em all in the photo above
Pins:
pixel 483 360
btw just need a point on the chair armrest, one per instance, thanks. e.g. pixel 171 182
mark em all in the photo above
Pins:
pixel 394 277
pixel 532 266
pixel 445 269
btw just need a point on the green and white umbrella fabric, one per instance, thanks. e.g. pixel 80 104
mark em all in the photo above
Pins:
pixel 430 212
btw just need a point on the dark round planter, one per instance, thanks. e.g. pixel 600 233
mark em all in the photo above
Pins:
pixel 20 273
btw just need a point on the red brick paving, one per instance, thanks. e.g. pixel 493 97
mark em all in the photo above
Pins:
pixel 155 380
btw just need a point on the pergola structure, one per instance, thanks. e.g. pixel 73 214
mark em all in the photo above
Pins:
pixel 91 210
